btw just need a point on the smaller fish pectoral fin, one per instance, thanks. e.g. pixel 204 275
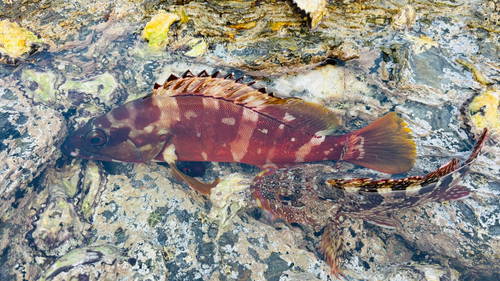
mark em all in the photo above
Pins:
pixel 332 246
pixel 201 187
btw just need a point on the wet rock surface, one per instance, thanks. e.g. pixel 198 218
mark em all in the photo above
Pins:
pixel 61 217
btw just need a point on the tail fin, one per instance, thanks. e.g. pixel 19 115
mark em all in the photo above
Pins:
pixel 386 145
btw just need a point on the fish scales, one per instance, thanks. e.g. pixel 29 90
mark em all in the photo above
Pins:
pixel 221 119
pixel 308 194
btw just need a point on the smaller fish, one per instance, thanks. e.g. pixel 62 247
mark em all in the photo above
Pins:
pixel 305 194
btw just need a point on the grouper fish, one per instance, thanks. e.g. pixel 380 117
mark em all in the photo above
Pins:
pixel 306 194
pixel 221 119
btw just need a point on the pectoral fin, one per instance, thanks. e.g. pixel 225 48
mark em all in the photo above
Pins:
pixel 332 246
pixel 202 187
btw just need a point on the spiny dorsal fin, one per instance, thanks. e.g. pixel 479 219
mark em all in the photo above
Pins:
pixel 294 112
pixel 187 74
pixel 240 80
pixel 172 78
pixel 216 75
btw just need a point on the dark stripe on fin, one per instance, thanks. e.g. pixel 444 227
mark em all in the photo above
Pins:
pixel 156 86
pixel 216 75
pixel 229 76
pixel 187 74
pixel 385 145
pixel 204 73
pixel 201 187
pixel 172 78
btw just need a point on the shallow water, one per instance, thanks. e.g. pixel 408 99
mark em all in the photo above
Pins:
pixel 65 217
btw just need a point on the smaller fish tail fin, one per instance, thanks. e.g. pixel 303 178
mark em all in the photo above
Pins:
pixel 201 187
pixel 331 246
pixel 386 145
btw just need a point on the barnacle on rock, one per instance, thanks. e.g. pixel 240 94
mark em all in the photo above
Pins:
pixel 107 261
pixel 229 197
pixel 16 42
pixel 405 18
pixel 316 9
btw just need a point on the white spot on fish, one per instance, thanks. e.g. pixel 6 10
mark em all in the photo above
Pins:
pixel 149 129
pixel 210 103
pixel 169 155
pixel 229 121
pixel 259 150
pixel 190 114
pixel 281 127
pixel 264 131
pixel 239 146
pixel 360 147
pixel 205 157
pixel 73 154
pixel 288 117
pixel 270 166
pixel 306 148
pixel 198 135
pixel 293 139
pixel 249 115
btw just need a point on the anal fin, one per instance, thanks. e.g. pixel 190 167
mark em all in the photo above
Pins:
pixel 201 187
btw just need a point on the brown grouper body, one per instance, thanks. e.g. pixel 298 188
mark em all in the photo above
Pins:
pixel 220 119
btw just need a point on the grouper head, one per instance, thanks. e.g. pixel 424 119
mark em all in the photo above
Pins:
pixel 128 133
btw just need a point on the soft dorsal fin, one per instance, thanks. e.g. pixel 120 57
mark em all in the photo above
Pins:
pixel 294 112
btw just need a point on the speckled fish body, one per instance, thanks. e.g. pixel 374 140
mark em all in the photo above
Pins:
pixel 313 195
pixel 220 119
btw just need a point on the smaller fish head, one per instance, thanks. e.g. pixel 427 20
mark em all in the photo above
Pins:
pixel 97 142
pixel 282 196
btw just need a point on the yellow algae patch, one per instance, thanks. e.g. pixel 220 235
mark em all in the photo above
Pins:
pixel 16 41
pixel 275 26
pixel 478 74
pixel 422 44
pixel 156 30
pixel 483 110
pixel 246 25
pixel 198 47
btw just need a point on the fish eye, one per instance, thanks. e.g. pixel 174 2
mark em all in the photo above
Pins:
pixel 286 195
pixel 96 138
pixel 287 198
